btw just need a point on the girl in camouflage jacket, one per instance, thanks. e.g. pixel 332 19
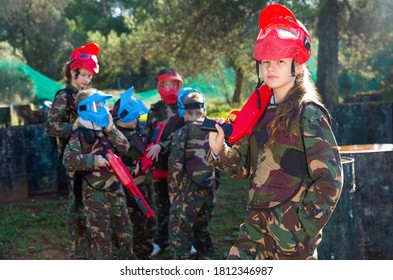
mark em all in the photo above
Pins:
pixel 62 121
pixel 291 157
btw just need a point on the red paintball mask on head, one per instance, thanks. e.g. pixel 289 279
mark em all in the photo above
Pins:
pixel 169 94
pixel 281 36
pixel 85 57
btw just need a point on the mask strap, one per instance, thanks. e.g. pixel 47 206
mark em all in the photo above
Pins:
pixel 257 70
pixel 293 72
pixel 260 82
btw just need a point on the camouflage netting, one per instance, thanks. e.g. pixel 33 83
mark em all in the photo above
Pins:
pixel 19 83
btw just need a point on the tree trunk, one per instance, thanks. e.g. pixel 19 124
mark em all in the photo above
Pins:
pixel 327 74
pixel 238 86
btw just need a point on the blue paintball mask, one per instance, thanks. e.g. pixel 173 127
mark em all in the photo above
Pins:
pixel 130 107
pixel 95 108
pixel 182 108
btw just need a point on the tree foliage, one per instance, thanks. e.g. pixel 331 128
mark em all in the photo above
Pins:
pixel 366 37
pixel 38 29
pixel 196 36
pixel 191 36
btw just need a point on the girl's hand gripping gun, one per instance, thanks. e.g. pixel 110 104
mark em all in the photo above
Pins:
pixel 125 178
pixel 246 118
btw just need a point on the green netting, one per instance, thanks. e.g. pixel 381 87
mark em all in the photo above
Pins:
pixel 216 87
pixel 149 96
pixel 44 88
pixel 220 86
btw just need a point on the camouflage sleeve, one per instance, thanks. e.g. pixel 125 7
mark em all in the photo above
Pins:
pixel 119 141
pixel 55 124
pixel 233 160
pixel 73 158
pixel 176 161
pixel 325 171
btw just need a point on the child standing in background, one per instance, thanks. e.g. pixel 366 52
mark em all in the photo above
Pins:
pixel 168 84
pixel 126 113
pixel 61 122
pixel 192 181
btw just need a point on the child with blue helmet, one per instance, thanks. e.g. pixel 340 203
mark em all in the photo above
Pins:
pixel 126 113
pixel 192 182
pixel 103 197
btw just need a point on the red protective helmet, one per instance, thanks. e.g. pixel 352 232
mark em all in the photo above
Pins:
pixel 169 96
pixel 281 36
pixel 85 57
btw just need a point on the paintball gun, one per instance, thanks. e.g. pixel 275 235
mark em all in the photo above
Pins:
pixel 121 172
pixel 148 162
pixel 246 118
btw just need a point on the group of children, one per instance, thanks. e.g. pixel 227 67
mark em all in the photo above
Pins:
pixel 181 185
pixel 102 215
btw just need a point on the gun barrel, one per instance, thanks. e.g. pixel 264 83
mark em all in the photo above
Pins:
pixel 125 178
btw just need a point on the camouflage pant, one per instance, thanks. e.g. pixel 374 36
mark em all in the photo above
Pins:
pixel 191 213
pixel 76 228
pixel 143 228
pixel 274 234
pixel 163 206
pixel 107 218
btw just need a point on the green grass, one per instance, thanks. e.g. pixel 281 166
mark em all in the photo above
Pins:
pixel 228 214
pixel 33 230
pixel 36 229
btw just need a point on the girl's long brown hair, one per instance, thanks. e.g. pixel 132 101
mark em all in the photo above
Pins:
pixel 289 109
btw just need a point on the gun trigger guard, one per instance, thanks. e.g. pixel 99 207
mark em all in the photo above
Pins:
pixel 234 112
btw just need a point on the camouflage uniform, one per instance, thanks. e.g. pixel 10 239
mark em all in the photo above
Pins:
pixel 192 183
pixel 61 117
pixel 294 186
pixel 167 113
pixel 103 197
pixel 143 228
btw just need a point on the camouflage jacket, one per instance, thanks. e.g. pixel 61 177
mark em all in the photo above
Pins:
pixel 304 164
pixel 79 155
pixel 161 112
pixel 62 116
pixel 187 160
pixel 136 150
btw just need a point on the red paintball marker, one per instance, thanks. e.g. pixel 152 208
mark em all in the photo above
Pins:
pixel 148 162
pixel 121 172
pixel 246 118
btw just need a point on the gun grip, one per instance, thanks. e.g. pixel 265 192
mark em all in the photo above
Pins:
pixel 210 125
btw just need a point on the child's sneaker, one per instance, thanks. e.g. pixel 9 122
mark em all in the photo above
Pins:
pixel 156 250
pixel 193 251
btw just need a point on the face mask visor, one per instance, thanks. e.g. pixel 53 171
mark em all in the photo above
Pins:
pixel 168 86
pixel 85 61
pixel 95 109
pixel 283 29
